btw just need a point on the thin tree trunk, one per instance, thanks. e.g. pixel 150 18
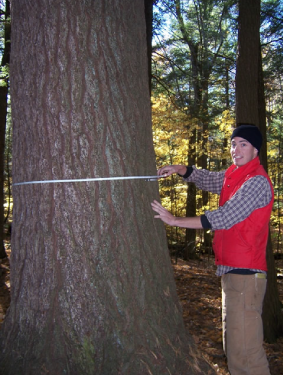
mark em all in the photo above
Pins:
pixel 247 62
pixel 3 115
pixel 191 201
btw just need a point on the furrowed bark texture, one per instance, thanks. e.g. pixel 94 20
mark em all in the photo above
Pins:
pixel 247 62
pixel 92 285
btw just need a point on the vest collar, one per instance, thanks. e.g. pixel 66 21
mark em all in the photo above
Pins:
pixel 234 172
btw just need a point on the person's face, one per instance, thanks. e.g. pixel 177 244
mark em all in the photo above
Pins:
pixel 242 151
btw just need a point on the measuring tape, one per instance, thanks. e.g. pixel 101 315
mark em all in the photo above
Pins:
pixel 146 178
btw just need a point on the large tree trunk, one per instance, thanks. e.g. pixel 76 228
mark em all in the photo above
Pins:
pixel 148 7
pixel 3 118
pixel 250 106
pixel 272 309
pixel 92 289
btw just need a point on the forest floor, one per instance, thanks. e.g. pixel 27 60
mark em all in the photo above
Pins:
pixel 199 291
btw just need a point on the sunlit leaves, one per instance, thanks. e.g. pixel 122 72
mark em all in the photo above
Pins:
pixel 172 130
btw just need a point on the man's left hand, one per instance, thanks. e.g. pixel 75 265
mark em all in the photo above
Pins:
pixel 163 214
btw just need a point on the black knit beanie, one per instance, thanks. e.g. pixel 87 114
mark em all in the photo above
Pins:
pixel 250 133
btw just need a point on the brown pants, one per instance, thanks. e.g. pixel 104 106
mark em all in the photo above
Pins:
pixel 242 299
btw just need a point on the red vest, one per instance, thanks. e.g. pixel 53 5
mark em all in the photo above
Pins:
pixel 244 244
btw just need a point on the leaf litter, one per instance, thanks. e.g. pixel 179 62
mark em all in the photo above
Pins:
pixel 199 291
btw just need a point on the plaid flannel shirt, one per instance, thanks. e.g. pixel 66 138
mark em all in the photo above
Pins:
pixel 253 194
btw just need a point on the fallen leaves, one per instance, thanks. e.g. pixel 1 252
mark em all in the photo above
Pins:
pixel 199 291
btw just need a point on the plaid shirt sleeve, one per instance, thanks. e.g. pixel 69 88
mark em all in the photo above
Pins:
pixel 254 193
pixel 206 180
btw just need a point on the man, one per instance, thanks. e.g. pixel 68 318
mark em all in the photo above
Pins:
pixel 241 226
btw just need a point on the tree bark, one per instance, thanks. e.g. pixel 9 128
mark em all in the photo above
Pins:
pixel 3 118
pixel 3 115
pixel 272 310
pixel 247 62
pixel 148 6
pixel 250 108
pixel 92 288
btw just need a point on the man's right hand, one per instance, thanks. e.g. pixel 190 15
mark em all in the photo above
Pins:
pixel 168 170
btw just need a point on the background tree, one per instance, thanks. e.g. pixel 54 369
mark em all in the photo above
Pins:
pixel 148 7
pixel 194 70
pixel 172 76
pixel 250 108
pixel 92 288
pixel 272 57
